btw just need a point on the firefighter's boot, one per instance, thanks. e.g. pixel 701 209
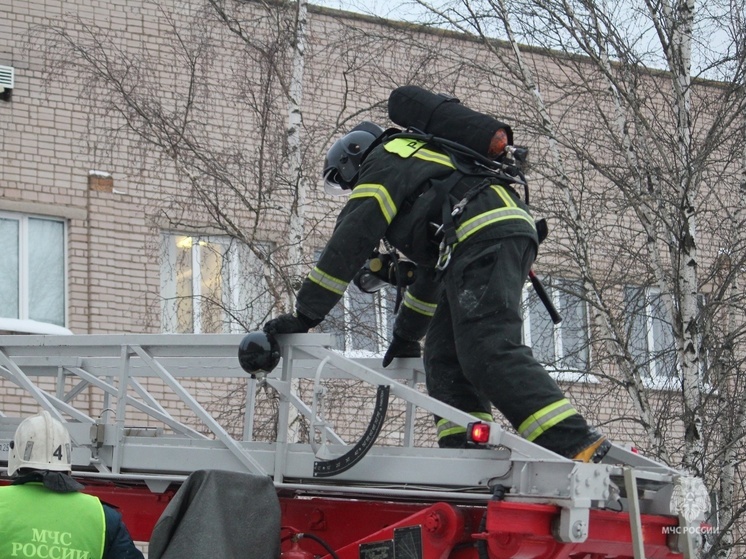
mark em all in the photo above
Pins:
pixel 595 451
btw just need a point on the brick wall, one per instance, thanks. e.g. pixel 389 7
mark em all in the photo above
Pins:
pixel 56 158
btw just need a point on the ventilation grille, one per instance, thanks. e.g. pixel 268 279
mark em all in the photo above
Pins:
pixel 6 77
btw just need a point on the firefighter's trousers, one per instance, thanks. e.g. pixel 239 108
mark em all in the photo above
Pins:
pixel 474 353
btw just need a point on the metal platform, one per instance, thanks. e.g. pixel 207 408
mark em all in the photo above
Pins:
pixel 113 371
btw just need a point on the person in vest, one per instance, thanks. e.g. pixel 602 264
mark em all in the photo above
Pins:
pixel 474 241
pixel 43 515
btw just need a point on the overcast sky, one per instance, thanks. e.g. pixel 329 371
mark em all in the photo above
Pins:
pixel 711 40
pixel 396 10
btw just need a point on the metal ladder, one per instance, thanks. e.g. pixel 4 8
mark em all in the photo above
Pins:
pixel 116 374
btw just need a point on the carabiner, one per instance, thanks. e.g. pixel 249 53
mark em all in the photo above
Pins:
pixel 444 256
pixel 459 207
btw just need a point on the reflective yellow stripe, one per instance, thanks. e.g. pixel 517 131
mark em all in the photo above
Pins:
pixel 379 192
pixel 407 147
pixel 546 418
pixel 327 282
pixel 504 196
pixel 452 430
pixel 434 157
pixel 446 427
pixel 471 226
pixel 421 307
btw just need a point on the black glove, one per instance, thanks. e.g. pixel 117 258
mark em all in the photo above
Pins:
pixel 290 324
pixel 401 348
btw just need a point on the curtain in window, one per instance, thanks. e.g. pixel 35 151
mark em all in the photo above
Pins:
pixel 32 270
pixel 9 273
pixel 564 345
pixel 46 271
pixel 651 340
pixel 574 338
pixel 249 293
pixel 212 284
pixel 214 275
pixel 541 329
pixel 361 321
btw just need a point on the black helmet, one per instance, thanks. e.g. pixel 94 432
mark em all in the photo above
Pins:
pixel 344 158
pixel 258 351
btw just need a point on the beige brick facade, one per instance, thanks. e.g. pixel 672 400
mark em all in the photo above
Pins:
pixel 56 162
pixel 58 157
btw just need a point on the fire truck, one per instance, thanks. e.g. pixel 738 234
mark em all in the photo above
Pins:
pixel 345 494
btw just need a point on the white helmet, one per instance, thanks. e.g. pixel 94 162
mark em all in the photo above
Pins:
pixel 41 443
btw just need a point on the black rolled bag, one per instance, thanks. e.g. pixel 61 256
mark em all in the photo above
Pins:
pixel 411 106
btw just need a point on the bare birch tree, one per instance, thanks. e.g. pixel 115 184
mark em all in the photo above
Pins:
pixel 214 102
pixel 220 119
pixel 638 163
pixel 647 158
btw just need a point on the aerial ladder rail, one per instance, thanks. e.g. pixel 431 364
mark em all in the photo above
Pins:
pixel 101 386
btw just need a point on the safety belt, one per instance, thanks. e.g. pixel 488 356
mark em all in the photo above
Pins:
pixel 449 213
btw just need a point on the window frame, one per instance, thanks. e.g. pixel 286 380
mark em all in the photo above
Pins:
pixel 382 302
pixel 559 368
pixel 652 376
pixel 234 254
pixel 24 273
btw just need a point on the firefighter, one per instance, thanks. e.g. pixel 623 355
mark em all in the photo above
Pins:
pixel 473 256
pixel 43 514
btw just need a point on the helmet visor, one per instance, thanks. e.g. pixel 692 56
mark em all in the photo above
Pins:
pixel 331 183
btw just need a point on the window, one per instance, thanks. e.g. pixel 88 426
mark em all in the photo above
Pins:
pixel 212 284
pixel 563 346
pixel 362 322
pixel 32 270
pixel 651 339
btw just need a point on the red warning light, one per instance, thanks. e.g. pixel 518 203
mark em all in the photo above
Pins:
pixel 478 432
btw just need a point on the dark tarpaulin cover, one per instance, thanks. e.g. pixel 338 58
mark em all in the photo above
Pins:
pixel 218 514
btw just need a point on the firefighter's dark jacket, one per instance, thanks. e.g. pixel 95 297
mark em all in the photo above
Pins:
pixel 399 196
